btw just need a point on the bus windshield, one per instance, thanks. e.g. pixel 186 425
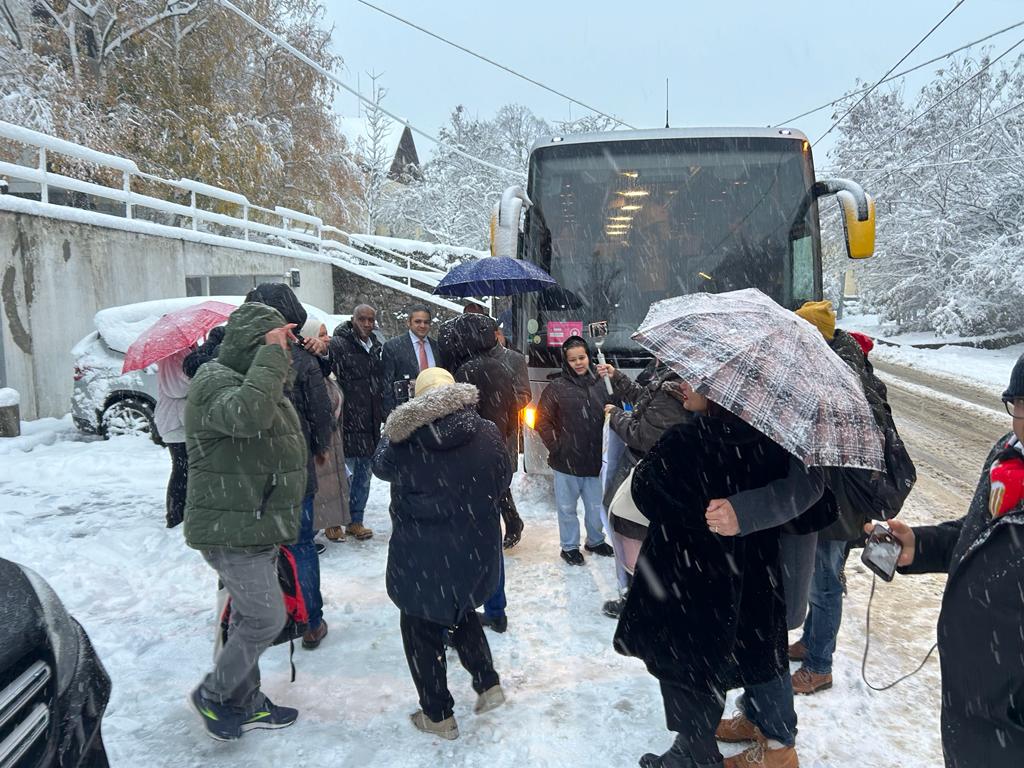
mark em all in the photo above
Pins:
pixel 622 224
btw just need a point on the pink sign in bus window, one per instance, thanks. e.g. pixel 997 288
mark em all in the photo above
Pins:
pixel 558 332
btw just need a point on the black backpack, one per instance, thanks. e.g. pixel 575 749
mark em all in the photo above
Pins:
pixel 880 495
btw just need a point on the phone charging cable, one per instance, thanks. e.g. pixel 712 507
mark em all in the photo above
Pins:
pixel 867 646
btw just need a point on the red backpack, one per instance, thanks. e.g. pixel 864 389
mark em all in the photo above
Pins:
pixel 294 605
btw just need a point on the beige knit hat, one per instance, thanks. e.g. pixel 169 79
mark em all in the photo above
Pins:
pixel 432 378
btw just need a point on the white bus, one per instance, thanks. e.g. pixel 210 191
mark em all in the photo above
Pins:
pixel 624 218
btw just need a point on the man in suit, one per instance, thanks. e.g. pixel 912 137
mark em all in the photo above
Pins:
pixel 405 355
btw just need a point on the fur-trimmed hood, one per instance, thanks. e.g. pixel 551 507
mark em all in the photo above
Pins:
pixel 429 408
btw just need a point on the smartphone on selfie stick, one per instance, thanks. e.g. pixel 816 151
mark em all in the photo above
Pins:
pixel 598 332
pixel 881 552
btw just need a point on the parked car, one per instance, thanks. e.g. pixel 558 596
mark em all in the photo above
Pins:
pixel 53 688
pixel 107 402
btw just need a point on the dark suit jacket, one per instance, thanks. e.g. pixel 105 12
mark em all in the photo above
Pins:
pixel 401 360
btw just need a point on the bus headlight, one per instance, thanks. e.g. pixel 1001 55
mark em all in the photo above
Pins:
pixel 529 415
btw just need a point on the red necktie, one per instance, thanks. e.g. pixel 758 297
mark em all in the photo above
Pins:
pixel 424 364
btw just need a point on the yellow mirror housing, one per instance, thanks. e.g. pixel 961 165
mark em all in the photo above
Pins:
pixel 860 234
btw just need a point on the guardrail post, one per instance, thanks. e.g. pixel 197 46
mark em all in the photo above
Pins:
pixel 245 218
pixel 319 238
pixel 128 190
pixel 44 188
pixel 408 269
pixel 195 214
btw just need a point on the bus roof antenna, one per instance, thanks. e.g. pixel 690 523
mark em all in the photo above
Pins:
pixel 666 102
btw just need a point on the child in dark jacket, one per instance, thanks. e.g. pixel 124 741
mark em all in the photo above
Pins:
pixel 570 422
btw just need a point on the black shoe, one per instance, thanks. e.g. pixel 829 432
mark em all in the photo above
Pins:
pixel 496 623
pixel 320 547
pixel 513 533
pixel 221 721
pixel 613 608
pixel 270 716
pixel 572 557
pixel 604 549
pixel 674 758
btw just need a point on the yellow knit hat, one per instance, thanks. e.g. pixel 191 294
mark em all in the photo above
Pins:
pixel 431 378
pixel 820 315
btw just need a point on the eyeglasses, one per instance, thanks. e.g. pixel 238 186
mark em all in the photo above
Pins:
pixel 1015 408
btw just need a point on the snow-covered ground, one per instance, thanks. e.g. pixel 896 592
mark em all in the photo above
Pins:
pixel 987 368
pixel 88 515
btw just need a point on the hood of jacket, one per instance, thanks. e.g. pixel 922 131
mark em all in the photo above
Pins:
pixel 587 378
pixel 465 337
pixel 283 299
pixel 243 335
pixel 423 413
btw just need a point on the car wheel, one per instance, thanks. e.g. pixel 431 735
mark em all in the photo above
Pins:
pixel 129 417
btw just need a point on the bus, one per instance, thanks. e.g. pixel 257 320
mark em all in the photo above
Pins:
pixel 622 219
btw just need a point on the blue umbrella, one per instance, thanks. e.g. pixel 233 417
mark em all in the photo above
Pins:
pixel 494 276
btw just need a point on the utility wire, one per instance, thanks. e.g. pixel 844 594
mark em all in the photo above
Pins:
pixel 335 79
pixel 966 133
pixel 973 77
pixel 493 63
pixel 904 73
pixel 891 70
pixel 965 161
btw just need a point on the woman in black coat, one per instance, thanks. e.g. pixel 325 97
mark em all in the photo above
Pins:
pixel 705 612
pixel 447 467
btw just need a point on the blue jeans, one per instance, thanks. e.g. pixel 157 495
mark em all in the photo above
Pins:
pixel 494 608
pixel 826 612
pixel 359 486
pixel 769 706
pixel 568 490
pixel 307 562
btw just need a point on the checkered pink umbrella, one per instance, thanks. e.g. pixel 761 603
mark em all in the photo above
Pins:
pixel 772 369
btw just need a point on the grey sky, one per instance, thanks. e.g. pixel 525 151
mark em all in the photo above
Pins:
pixel 730 62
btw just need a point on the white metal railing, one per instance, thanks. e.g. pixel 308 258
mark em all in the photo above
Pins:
pixel 297 231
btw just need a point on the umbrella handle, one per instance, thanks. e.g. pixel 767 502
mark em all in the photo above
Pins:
pixel 607 380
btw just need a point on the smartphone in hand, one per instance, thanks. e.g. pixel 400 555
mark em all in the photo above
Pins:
pixel 881 552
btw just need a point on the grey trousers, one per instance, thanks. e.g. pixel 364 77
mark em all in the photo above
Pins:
pixel 257 617
pixel 797 570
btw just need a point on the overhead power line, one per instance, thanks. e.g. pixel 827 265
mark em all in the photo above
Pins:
pixel 335 79
pixel 945 144
pixel 965 161
pixel 903 73
pixel 494 63
pixel 891 70
pixel 949 95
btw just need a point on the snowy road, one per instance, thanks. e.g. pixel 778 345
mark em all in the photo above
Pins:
pixel 88 515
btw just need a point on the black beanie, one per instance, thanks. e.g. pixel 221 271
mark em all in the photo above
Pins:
pixel 1016 388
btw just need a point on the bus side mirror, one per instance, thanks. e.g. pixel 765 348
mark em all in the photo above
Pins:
pixel 505 221
pixel 858 215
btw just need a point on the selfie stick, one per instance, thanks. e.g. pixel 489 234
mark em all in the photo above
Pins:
pixel 597 332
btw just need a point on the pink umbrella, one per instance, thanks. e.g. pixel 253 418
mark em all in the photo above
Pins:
pixel 174 332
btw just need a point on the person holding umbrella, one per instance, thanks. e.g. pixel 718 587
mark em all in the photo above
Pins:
pixel 168 343
pixel 706 612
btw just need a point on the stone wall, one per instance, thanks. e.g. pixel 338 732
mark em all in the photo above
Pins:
pixel 351 290
pixel 55 275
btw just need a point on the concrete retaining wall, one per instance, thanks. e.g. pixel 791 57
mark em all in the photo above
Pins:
pixel 55 275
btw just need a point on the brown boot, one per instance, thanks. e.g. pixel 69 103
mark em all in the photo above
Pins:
pixel 738 730
pixel 311 638
pixel 806 682
pixel 360 531
pixel 335 533
pixel 760 756
pixel 446 729
pixel 797 651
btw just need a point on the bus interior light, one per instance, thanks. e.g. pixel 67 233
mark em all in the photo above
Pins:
pixel 631 174
pixel 620 218
pixel 632 207
pixel 633 192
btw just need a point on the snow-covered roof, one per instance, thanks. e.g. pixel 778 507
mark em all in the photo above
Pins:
pixel 356 131
pixel 121 326
pixel 648 134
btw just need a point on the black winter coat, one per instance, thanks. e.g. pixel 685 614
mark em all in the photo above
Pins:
pixel 570 421
pixel 467 346
pixel 851 518
pixel 447 467
pixel 204 353
pixel 307 392
pixel 705 611
pixel 981 640
pixel 361 377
